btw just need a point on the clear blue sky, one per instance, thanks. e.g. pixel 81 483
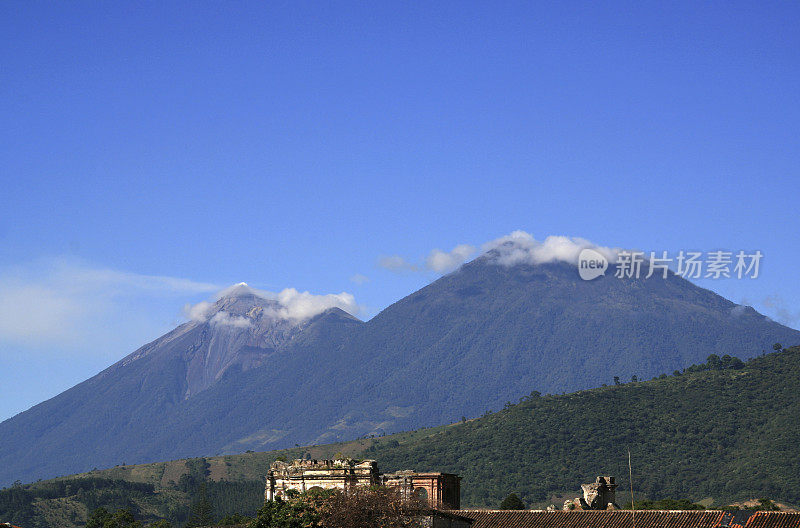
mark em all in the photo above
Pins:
pixel 295 144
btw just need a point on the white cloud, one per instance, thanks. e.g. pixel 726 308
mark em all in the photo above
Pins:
pixel 518 247
pixel 302 305
pixel 65 302
pixel 358 278
pixel 521 248
pixel 198 312
pixel 444 262
pixel 289 304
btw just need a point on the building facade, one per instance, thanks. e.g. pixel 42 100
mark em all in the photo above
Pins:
pixel 437 490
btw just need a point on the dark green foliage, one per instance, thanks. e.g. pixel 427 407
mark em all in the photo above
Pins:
pixel 106 495
pixel 766 505
pixel 16 505
pixel 293 513
pixel 202 510
pixel 98 518
pixel 234 519
pixel 512 502
pixel 714 362
pixel 730 434
pixel 16 502
pixel 102 518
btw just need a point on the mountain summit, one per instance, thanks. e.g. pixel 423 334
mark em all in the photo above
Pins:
pixel 241 329
pixel 250 371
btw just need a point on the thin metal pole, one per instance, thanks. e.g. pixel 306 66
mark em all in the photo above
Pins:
pixel 630 478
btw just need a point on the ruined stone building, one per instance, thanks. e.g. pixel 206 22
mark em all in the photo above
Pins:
pixel 439 490
pixel 599 495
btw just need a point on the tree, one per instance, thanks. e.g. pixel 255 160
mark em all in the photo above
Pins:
pixel 161 523
pixel 777 347
pixel 766 505
pixel 372 507
pixel 102 518
pixel 616 380
pixel 512 502
pixel 234 519
pixel 202 511
pixel 714 362
pixel 297 512
pixel 98 518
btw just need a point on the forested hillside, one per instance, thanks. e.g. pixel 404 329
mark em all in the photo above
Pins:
pixel 725 430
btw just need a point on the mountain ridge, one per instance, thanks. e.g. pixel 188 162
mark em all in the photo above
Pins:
pixel 469 342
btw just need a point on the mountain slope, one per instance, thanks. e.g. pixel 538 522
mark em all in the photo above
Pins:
pixel 239 378
pixel 129 411
pixel 728 435
pixel 485 335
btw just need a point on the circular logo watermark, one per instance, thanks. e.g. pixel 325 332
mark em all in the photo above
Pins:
pixel 591 264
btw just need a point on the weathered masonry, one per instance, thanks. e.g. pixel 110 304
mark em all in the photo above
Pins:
pixel 439 490
pixel 599 495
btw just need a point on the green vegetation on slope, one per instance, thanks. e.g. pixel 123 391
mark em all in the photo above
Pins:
pixel 723 430
pixel 729 434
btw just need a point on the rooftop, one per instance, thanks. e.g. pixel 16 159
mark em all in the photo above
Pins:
pixel 624 519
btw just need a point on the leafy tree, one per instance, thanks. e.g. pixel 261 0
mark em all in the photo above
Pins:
pixel 102 518
pixel 234 519
pixel 766 505
pixel 298 512
pixel 714 362
pixel 616 380
pixel 98 518
pixel 512 502
pixel 202 511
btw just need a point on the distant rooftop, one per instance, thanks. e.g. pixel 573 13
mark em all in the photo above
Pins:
pixel 624 519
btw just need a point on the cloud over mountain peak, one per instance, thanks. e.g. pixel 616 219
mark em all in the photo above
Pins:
pixel 289 303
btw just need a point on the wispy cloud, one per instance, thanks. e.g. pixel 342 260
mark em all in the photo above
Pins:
pixel 58 301
pixel 782 313
pixel 358 278
pixel 397 264
pixel 437 260
pixel 446 261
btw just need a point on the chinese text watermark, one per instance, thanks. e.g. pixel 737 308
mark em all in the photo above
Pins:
pixel 686 264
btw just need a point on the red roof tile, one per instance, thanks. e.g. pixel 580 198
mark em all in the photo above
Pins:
pixel 625 519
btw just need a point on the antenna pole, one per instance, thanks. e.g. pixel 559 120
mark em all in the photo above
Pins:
pixel 630 478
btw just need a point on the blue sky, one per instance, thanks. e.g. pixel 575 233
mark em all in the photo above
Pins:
pixel 154 151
